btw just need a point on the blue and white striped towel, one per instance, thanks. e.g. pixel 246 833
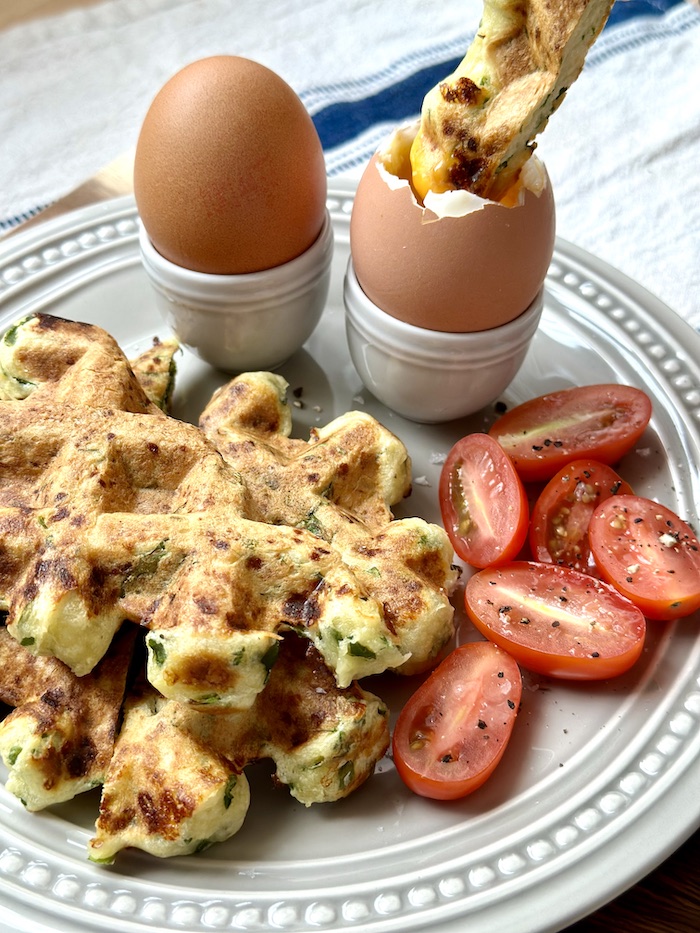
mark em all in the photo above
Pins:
pixel 622 150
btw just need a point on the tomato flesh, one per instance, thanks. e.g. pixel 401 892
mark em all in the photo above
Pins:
pixel 649 554
pixel 483 502
pixel 555 620
pixel 453 731
pixel 562 513
pixel 601 422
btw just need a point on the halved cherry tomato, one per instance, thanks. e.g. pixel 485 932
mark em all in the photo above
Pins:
pixel 483 502
pixel 453 731
pixel 649 554
pixel 602 422
pixel 555 620
pixel 561 514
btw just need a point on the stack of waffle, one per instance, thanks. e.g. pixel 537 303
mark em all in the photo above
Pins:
pixel 184 600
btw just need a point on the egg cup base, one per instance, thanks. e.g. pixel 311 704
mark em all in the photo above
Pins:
pixel 431 376
pixel 248 322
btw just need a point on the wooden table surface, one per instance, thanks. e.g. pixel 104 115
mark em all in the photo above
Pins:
pixel 667 900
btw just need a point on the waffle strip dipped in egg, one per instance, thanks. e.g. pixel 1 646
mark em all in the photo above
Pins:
pixel 478 126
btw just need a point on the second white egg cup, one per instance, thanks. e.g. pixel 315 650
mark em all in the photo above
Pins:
pixel 431 376
pixel 252 321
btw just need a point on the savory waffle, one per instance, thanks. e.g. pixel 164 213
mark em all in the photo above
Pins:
pixel 176 782
pixel 155 369
pixel 59 739
pixel 112 511
pixel 478 125
pixel 109 510
pixel 340 485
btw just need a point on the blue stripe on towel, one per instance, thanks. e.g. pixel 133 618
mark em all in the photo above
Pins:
pixel 338 123
pixel 627 9
pixel 11 222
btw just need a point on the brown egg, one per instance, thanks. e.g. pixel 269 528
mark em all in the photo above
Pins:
pixel 229 174
pixel 462 273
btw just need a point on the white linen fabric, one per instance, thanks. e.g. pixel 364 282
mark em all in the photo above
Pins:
pixel 622 150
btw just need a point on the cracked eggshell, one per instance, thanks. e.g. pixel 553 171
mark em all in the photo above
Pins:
pixel 464 273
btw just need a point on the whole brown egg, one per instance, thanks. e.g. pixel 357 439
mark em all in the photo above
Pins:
pixel 229 174
pixel 457 263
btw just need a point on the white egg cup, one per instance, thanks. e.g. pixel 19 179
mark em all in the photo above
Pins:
pixel 432 376
pixel 252 321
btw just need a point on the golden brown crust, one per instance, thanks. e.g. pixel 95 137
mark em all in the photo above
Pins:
pixel 155 371
pixel 111 511
pixel 478 126
pixel 341 484
pixel 170 760
pixel 125 513
pixel 70 723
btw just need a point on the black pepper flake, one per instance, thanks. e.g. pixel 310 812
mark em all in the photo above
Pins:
pixel 500 673
pixel 504 609
pixel 537 447
pixel 556 623
pixel 595 654
pixel 637 521
pixel 298 392
pixel 511 704
pixel 559 443
pixel 481 724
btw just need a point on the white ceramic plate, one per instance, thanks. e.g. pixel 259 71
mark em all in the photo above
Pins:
pixel 599 782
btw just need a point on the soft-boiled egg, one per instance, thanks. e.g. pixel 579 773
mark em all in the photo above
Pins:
pixel 453 262
pixel 229 173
